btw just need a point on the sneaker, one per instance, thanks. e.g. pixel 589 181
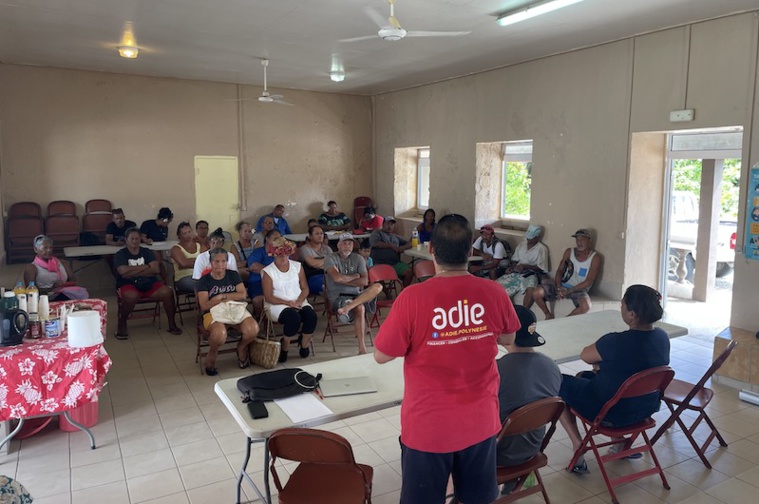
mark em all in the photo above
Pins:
pixel 616 448
pixel 122 335
pixel 581 468
pixel 282 356
pixel 304 352
pixel 371 306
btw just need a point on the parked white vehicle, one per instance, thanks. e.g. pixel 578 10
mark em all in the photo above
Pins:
pixel 684 232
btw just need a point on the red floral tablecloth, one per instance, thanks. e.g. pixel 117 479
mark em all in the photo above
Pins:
pixel 93 304
pixel 45 376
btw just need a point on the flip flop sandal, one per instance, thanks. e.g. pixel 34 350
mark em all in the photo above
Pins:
pixel 122 335
pixel 243 364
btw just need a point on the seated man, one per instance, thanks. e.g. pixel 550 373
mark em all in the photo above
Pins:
pixel 371 221
pixel 494 253
pixel 526 376
pixel 345 276
pixel 136 269
pixel 279 222
pixel 157 230
pixel 203 262
pixel 114 232
pixel 529 262
pixel 387 248
pixel 575 276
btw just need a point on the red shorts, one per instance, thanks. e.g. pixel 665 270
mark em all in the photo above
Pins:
pixel 143 295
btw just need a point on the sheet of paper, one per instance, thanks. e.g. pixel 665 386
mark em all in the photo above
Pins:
pixel 303 407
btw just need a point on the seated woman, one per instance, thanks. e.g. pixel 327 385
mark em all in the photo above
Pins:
pixel 201 234
pixel 183 256
pixel 203 262
pixel 285 294
pixel 371 221
pixel 267 226
pixel 52 276
pixel 427 225
pixel 257 261
pixel 332 220
pixel 312 256
pixel 244 247
pixel 218 286
pixel 615 358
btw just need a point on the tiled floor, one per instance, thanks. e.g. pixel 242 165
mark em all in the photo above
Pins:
pixel 164 437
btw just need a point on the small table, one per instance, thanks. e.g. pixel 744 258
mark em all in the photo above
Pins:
pixel 424 253
pixel 387 378
pixel 566 337
pixel 48 377
pixel 72 253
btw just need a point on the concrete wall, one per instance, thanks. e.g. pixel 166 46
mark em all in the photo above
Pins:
pixel 77 135
pixel 581 109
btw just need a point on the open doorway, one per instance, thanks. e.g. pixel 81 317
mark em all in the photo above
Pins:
pixel 682 220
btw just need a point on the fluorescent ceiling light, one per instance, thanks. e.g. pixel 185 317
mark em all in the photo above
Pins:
pixel 533 10
pixel 337 76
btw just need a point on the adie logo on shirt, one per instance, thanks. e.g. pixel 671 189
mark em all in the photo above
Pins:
pixel 460 314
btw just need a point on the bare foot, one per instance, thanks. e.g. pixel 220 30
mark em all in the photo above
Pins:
pixel 549 316
pixel 362 352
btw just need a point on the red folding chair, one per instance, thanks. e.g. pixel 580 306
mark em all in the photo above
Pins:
pixel 423 270
pixel 61 207
pixel 327 471
pixel 24 209
pixel 681 396
pixel 520 421
pixel 388 278
pixel 645 382
pixel 98 205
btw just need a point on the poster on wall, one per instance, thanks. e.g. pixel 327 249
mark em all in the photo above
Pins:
pixel 751 249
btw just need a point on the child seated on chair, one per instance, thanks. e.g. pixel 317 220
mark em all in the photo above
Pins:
pixel 365 251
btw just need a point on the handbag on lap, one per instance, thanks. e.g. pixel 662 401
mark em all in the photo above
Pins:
pixel 230 312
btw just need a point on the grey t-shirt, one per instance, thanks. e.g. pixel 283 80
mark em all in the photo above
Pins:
pixel 350 266
pixel 307 251
pixel 385 255
pixel 525 378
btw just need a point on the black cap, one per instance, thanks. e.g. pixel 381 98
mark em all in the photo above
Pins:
pixel 526 335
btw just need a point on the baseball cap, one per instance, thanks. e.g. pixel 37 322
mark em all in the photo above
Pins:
pixel 582 232
pixel 390 218
pixel 345 236
pixel 526 335
pixel 487 228
pixel 533 231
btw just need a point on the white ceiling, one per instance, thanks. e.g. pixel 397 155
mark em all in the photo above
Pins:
pixel 218 40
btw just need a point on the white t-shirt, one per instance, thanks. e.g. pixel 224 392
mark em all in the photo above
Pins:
pixel 204 261
pixel 498 251
pixel 535 256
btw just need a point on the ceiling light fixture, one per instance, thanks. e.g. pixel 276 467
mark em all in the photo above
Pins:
pixel 128 48
pixel 129 52
pixel 337 76
pixel 533 10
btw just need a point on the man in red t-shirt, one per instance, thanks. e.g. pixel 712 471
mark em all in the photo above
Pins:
pixel 448 329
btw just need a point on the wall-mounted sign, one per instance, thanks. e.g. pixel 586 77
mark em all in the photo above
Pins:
pixel 751 247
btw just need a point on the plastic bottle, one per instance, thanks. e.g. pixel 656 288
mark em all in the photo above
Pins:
pixel 414 238
pixel 19 288
pixel 9 301
pixel 32 298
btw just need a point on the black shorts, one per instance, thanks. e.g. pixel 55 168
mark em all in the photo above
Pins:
pixel 425 475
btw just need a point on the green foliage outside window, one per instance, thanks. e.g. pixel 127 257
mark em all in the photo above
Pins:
pixel 686 176
pixel 516 189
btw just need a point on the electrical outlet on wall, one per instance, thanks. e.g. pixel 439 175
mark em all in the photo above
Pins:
pixel 684 115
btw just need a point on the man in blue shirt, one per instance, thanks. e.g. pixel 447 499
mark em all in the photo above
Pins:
pixel 280 223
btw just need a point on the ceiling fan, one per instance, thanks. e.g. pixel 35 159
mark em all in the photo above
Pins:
pixel 265 96
pixel 391 30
